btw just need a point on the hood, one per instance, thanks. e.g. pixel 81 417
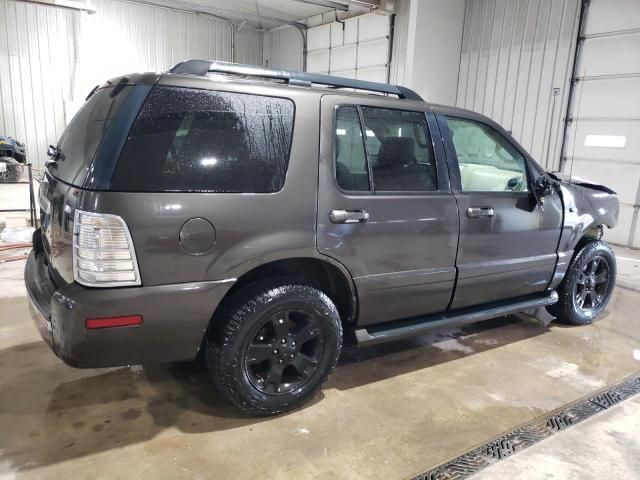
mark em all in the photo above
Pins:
pixel 567 179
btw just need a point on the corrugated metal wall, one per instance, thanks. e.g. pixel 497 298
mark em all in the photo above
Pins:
pixel 52 57
pixel 249 47
pixel 283 48
pixel 397 68
pixel 603 141
pixel 516 66
pixel 38 54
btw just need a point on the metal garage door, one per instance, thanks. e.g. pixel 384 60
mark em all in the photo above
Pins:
pixel 603 138
pixel 355 48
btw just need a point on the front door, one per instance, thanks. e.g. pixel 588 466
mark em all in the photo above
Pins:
pixel 385 209
pixel 508 239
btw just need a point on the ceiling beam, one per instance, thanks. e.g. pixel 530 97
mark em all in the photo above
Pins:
pixel 218 12
pixel 326 3
pixel 70 4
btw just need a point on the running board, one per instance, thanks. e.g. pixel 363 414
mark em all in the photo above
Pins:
pixel 408 328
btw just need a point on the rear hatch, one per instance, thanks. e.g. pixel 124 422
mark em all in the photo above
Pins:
pixel 84 159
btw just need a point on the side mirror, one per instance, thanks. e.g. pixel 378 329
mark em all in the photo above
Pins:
pixel 542 186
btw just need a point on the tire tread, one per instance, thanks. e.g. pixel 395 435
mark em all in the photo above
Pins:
pixel 230 322
pixel 564 310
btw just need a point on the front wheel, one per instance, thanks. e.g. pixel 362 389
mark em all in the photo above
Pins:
pixel 273 346
pixel 587 286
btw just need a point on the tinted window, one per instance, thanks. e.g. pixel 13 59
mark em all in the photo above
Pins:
pixel 201 140
pixel 488 162
pixel 80 140
pixel 351 165
pixel 400 150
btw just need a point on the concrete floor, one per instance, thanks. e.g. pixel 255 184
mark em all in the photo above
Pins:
pixel 604 446
pixel 387 412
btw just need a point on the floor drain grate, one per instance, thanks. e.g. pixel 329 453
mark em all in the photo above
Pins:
pixel 538 429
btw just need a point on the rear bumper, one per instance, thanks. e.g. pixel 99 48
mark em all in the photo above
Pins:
pixel 174 319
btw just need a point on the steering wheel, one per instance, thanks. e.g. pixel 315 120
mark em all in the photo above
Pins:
pixel 514 184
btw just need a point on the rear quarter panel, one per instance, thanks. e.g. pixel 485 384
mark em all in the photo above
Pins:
pixel 251 228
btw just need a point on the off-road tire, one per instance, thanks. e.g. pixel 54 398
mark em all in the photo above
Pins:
pixel 233 329
pixel 566 310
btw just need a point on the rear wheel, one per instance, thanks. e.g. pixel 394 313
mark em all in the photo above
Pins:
pixel 273 346
pixel 587 286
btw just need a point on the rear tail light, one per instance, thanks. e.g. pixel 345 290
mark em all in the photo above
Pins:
pixel 103 253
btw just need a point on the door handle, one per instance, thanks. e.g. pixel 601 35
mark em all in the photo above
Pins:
pixel 477 212
pixel 348 216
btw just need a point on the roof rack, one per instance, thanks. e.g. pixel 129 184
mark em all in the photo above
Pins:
pixel 203 67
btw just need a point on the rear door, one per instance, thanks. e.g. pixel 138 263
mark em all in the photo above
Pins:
pixel 508 239
pixel 385 209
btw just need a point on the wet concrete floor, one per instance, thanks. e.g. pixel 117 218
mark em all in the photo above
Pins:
pixel 387 412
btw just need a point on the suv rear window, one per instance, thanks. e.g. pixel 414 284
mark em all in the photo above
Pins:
pixel 80 140
pixel 191 140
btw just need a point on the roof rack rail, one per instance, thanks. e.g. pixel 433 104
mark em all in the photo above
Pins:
pixel 203 67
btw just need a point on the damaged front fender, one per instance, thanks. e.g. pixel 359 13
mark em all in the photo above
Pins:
pixel 587 208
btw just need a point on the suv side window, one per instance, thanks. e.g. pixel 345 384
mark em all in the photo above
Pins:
pixel 400 150
pixel 352 172
pixel 200 140
pixel 488 162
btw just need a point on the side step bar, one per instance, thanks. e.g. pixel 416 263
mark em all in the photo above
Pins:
pixel 408 328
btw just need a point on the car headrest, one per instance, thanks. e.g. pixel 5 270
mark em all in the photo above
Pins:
pixel 396 151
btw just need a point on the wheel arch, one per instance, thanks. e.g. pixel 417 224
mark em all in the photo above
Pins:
pixel 321 272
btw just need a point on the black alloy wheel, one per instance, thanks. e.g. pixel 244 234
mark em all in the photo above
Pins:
pixel 587 285
pixel 272 345
pixel 592 285
pixel 285 352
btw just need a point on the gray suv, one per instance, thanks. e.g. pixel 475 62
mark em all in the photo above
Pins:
pixel 254 217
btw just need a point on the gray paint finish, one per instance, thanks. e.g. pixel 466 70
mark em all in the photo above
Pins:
pixel 403 258
pixel 403 262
